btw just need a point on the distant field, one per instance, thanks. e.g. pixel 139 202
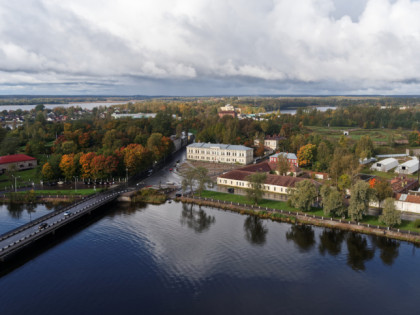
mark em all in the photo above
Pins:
pixel 377 135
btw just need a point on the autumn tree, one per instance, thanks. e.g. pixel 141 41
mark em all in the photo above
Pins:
pixel 306 154
pixel 202 178
pixel 68 165
pixel 86 164
pixel 283 165
pixel 382 189
pixel 303 195
pixel 255 190
pixel 47 172
pixel 390 215
pixel 136 157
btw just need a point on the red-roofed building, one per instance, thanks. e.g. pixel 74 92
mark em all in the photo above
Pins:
pixel 18 161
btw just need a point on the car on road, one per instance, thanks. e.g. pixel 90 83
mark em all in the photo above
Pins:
pixel 178 195
pixel 171 169
pixel 42 226
pixel 66 213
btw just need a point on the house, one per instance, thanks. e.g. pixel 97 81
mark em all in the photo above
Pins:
pixel 275 187
pixel 271 142
pixel 408 167
pixel 224 153
pixel 402 185
pixel 229 110
pixel 384 165
pixel 291 157
pixel 17 161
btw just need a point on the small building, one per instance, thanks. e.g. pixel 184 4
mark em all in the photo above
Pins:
pixel 291 157
pixel 271 142
pixel 228 110
pixel 18 161
pixel 384 165
pixel 408 167
pixel 346 132
pixel 224 153
pixel 402 185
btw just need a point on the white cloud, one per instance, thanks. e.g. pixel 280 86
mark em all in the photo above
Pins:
pixel 300 46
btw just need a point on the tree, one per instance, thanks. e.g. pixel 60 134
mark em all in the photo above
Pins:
pixel 333 204
pixel 364 147
pixel 323 155
pixel 344 182
pixel 255 192
pixel 68 165
pixel 86 164
pixel 359 201
pixel 390 215
pixel 260 149
pixel 306 154
pixel 382 190
pixel 303 195
pixel 202 178
pixel 47 172
pixel 283 164
pixel 188 179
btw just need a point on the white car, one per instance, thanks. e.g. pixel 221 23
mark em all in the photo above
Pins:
pixel 67 213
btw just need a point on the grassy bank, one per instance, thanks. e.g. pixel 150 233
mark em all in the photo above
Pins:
pixel 281 205
pixel 149 195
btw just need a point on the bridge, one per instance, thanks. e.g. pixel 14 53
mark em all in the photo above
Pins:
pixel 16 240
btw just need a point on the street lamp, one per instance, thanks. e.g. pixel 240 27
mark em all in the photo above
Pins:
pixel 15 177
pixel 75 182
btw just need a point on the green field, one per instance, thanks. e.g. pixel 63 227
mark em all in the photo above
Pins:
pixel 281 205
pixel 377 135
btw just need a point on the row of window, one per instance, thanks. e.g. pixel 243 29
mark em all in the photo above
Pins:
pixel 242 184
pixel 196 151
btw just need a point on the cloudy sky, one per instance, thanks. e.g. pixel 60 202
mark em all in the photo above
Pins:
pixel 207 47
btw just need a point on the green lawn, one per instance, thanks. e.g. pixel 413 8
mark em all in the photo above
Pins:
pixel 281 205
pixel 384 175
pixel 22 177
pixel 375 134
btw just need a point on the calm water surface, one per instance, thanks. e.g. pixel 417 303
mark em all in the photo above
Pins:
pixel 181 259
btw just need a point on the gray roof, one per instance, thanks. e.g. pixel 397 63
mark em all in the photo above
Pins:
pixel 219 146
pixel 289 156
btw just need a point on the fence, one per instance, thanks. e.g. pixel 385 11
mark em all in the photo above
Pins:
pixel 296 213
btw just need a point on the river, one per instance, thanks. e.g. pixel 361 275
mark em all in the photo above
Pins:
pixel 182 259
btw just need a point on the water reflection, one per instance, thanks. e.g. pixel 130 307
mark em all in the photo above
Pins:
pixel 331 241
pixel 199 221
pixel 15 210
pixel 358 251
pixel 303 236
pixel 389 249
pixel 255 230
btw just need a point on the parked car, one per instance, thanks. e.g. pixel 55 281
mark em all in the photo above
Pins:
pixel 42 226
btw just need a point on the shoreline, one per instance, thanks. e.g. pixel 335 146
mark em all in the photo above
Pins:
pixel 291 217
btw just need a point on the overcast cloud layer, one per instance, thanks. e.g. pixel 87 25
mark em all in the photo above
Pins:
pixel 203 47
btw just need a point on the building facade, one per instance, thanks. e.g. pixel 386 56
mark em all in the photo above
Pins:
pixel 291 157
pixel 271 142
pixel 221 153
pixel 19 162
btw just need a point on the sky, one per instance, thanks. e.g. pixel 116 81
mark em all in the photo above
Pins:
pixel 210 47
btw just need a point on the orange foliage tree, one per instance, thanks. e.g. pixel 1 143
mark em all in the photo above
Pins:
pixel 306 154
pixel 68 165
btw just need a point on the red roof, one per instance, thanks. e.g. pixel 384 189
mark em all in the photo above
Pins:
pixel 15 158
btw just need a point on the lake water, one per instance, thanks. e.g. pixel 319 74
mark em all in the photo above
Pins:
pixel 182 259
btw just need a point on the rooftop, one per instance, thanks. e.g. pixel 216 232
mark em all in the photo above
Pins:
pixel 15 158
pixel 218 146
pixel 289 156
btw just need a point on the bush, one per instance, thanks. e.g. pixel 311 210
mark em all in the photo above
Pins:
pixel 417 223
